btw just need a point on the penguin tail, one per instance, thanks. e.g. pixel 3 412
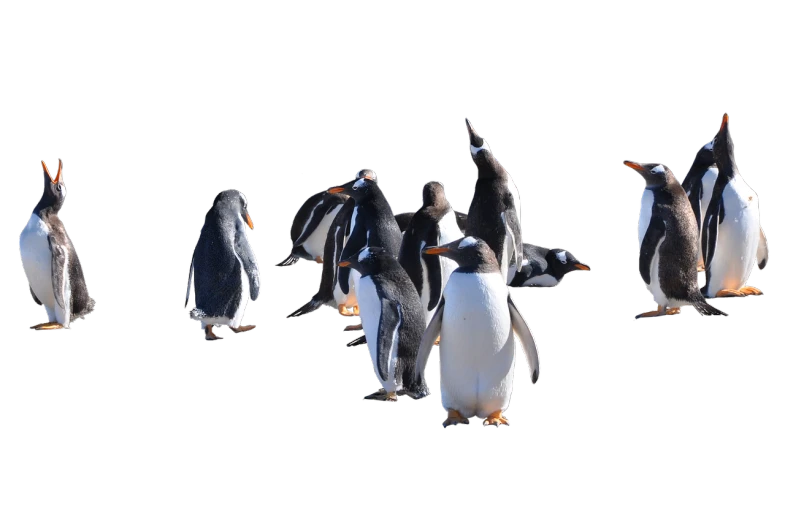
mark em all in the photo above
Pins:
pixel 704 308
pixel 313 305
pixel 414 385
pixel 288 261
pixel 357 342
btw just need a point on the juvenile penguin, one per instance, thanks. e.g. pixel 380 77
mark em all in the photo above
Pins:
pixel 223 266
pixel 432 225
pixel 544 268
pixel 477 321
pixel 494 214
pixel 668 241
pixel 393 321
pixel 732 237
pixel 310 227
pixel 53 270
pixel 699 185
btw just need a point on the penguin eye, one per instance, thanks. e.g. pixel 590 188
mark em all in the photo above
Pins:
pixel 59 188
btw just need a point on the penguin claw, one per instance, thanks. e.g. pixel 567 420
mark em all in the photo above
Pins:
pixel 454 418
pixel 241 329
pixel 383 396
pixel 209 335
pixel 47 326
pixel 344 311
pixel 496 418
pixel 730 293
pixel 319 260
pixel 749 290
pixel 356 311
pixel 648 314
pixel 673 311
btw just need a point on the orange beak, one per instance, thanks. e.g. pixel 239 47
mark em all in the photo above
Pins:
pixel 59 171
pixel 634 165
pixel 344 264
pixel 435 250
pixel 336 190
pixel 724 121
pixel 583 267
pixel 248 220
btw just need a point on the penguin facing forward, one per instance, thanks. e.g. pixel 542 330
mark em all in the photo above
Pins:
pixel 311 225
pixel 494 214
pixel 544 268
pixel 668 240
pixel 393 321
pixel 432 225
pixel 478 322
pixel 699 185
pixel 51 264
pixel 732 238
pixel 223 266
pixel 403 220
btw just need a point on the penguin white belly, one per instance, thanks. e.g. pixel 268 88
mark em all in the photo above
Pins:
pixel 370 313
pixel 541 281
pixel 647 203
pixel 737 241
pixel 37 262
pixel 477 347
pixel 314 244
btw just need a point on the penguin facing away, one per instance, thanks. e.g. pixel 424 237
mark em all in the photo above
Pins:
pixel 51 264
pixel 310 227
pixel 223 266
pixel 732 237
pixel 668 240
pixel 432 225
pixel 393 321
pixel 403 220
pixel 478 322
pixel 494 213
pixel 699 185
pixel 544 268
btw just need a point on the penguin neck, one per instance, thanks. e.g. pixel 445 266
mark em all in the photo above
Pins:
pixel 490 168
pixel 47 206
pixel 482 267
pixel 698 169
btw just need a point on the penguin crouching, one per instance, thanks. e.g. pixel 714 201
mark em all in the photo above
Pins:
pixel 223 266
pixel 393 322
pixel 311 225
pixel 668 240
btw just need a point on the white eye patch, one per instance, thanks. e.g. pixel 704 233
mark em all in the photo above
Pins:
pixel 358 184
pixel 468 241
pixel 364 254
pixel 484 146
pixel 659 169
pixel 709 145
pixel 562 256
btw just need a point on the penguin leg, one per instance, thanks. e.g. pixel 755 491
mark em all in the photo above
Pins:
pixel 356 327
pixel 438 339
pixel 356 311
pixel 729 293
pixel 208 333
pixel 47 326
pixel 343 310
pixel 749 290
pixel 660 311
pixel 454 418
pixel 673 311
pixel 383 396
pixel 701 267
pixel 241 329
pixel 496 418
pixel 319 260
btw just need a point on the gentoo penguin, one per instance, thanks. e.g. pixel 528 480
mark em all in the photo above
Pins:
pixel 544 268
pixel 668 240
pixel 433 225
pixel 699 185
pixel 310 227
pixel 403 220
pixel 494 214
pixel 477 320
pixel 732 237
pixel 393 321
pixel 224 266
pixel 50 261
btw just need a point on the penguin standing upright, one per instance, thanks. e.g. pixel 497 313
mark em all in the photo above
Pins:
pixel 494 214
pixel 668 240
pixel 403 220
pixel 223 266
pixel 732 236
pixel 310 227
pixel 478 321
pixel 544 268
pixel 53 270
pixel 432 225
pixel 393 320
pixel 699 185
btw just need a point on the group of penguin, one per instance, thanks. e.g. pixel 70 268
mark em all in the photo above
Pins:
pixel 711 223
pixel 224 264
pixel 435 276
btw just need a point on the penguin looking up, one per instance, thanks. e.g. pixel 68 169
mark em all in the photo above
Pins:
pixel 432 225
pixel 732 237
pixel 494 214
pixel 51 264
pixel 393 321
pixel 223 266
pixel 699 185
pixel 478 322
pixel 544 268
pixel 668 240
pixel 310 227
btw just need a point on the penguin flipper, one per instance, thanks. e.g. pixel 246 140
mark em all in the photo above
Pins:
pixel 60 285
pixel 529 346
pixel 410 259
pixel 432 332
pixel 243 250
pixel 355 243
pixel 357 342
pixel 694 189
pixel 317 214
pixel 433 264
pixel 654 233
pixel 190 277
pixel 510 218
pixel 35 298
pixel 389 321
pixel 763 251
pixel 711 229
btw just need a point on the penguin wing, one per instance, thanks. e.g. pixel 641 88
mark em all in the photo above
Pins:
pixel 34 297
pixel 60 286
pixel 763 251
pixel 409 257
pixel 389 322
pixel 190 277
pixel 651 239
pixel 243 250
pixel 428 338
pixel 694 189
pixel 433 264
pixel 715 214
pixel 529 346
pixel 513 225
pixel 314 220
pixel 357 240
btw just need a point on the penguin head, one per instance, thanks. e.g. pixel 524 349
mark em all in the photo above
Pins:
pixel 54 189
pixel 233 203
pixel 359 189
pixel 468 252
pixel 723 146
pixel 705 156
pixel 562 262
pixel 487 165
pixel 655 174
pixel 369 260
pixel 433 194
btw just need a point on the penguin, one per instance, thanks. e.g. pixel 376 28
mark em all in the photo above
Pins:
pixel 393 321
pixel 668 241
pixel 432 225
pixel 732 239
pixel 403 220
pixel 477 321
pixel 494 214
pixel 223 266
pixel 310 227
pixel 544 268
pixel 699 185
pixel 51 264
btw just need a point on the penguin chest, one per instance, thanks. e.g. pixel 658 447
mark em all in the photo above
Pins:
pixel 314 244
pixel 544 280
pixel 37 259
pixel 370 313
